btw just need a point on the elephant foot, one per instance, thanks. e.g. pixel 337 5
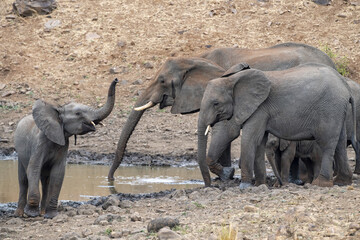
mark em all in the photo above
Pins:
pixel 245 185
pixel 19 212
pixel 277 183
pixel 357 169
pixel 342 180
pixel 32 211
pixel 51 214
pixel 321 181
pixel 227 173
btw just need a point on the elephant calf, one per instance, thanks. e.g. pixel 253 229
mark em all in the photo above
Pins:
pixel 42 142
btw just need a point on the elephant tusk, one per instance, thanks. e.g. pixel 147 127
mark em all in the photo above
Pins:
pixel 207 130
pixel 93 123
pixel 146 106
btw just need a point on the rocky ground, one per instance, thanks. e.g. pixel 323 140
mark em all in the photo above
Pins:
pixel 75 52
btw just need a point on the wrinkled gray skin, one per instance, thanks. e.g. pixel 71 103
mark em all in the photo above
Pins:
pixel 181 82
pixel 308 102
pixel 281 153
pixel 42 142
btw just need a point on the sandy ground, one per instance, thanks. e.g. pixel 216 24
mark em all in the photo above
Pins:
pixel 73 55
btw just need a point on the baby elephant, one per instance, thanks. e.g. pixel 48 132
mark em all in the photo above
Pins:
pixel 42 142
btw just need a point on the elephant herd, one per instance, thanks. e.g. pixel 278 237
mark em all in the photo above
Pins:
pixel 288 101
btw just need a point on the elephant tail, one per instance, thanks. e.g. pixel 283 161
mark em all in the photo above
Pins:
pixel 354 142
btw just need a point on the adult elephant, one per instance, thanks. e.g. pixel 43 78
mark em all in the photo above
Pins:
pixel 181 82
pixel 42 142
pixel 281 153
pixel 308 102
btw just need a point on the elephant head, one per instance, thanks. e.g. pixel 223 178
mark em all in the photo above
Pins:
pixel 240 86
pixel 61 122
pixel 179 83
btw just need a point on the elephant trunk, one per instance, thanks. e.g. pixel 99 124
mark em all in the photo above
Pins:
pixel 126 132
pixel 99 114
pixel 202 144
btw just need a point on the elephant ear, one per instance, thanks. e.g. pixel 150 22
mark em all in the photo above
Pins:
pixel 188 98
pixel 47 119
pixel 251 89
pixel 284 144
pixel 235 69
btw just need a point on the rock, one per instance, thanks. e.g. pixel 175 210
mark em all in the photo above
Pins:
pixel 108 218
pixel 123 82
pixel 322 2
pixel 148 65
pixel 167 234
pixel 15 221
pixel 26 8
pixel 53 23
pixel 61 218
pixel 125 204
pixel 112 201
pixel 156 224
pixel 86 232
pixel 121 44
pixel 135 217
pixel 70 236
pixel 114 70
pixel 10 16
pixel 9 93
pixel 114 234
pixel 86 209
pixel 92 36
pixel 250 208
pixel 137 82
pixel 7 230
pixel 2 86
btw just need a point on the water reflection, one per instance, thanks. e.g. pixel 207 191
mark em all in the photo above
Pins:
pixel 83 181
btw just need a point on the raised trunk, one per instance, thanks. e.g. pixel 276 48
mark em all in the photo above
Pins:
pixel 99 114
pixel 202 144
pixel 126 132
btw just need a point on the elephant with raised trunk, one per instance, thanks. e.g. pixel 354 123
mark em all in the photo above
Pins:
pixel 181 82
pixel 308 102
pixel 42 142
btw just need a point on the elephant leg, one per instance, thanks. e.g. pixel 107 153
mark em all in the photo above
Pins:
pixel 357 157
pixel 220 142
pixel 55 183
pixel 23 187
pixel 225 158
pixel 328 144
pixel 287 158
pixel 259 164
pixel 344 174
pixel 253 134
pixel 33 173
pixel 45 188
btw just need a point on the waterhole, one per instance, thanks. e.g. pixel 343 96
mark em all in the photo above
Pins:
pixel 85 181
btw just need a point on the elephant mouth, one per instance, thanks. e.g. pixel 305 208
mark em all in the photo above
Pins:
pixel 87 127
pixel 166 101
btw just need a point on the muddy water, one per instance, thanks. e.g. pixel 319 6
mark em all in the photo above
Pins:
pixel 83 181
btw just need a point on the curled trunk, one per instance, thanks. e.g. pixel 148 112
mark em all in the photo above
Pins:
pixel 202 144
pixel 99 114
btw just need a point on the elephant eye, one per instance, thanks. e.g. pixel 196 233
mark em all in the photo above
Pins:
pixel 216 104
pixel 78 113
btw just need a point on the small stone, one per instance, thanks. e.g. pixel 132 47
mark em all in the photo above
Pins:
pixel 15 221
pixel 354 226
pixel 7 94
pixel 350 187
pixel 70 236
pixel 356 21
pixel 138 82
pixel 148 65
pixel 92 36
pixel 121 44
pixel 112 201
pixel 2 86
pixel 156 224
pixel 114 70
pixel 86 232
pixel 167 234
pixel 250 208
pixel 53 23
pixel 123 82
pixel 341 15
pixel 114 234
pixel 61 218
pixel 125 204
pixel 135 217
pixel 10 17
